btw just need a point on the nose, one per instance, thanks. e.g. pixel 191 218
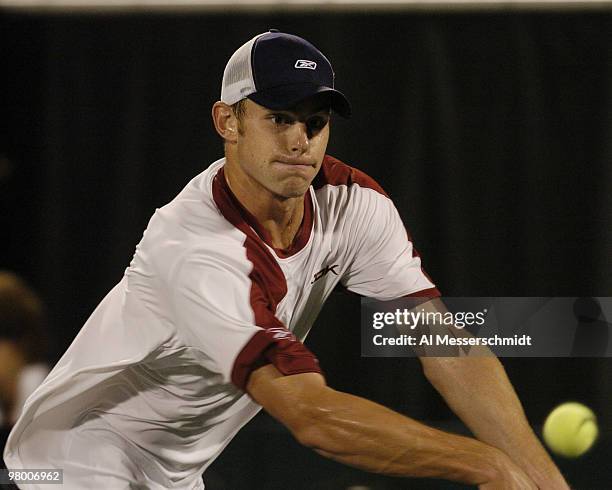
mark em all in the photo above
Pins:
pixel 298 138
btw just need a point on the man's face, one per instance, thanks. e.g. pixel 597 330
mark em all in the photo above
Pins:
pixel 282 150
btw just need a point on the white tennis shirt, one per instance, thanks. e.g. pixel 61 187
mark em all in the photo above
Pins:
pixel 152 388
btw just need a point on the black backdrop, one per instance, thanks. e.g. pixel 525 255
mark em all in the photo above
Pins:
pixel 492 133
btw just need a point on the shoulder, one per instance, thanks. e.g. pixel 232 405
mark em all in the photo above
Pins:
pixel 345 193
pixel 334 172
pixel 190 228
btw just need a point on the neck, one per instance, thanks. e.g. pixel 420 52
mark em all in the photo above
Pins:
pixel 280 216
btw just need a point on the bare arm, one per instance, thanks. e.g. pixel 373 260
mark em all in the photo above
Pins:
pixel 478 390
pixel 366 435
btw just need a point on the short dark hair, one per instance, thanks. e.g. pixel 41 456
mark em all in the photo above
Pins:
pixel 239 109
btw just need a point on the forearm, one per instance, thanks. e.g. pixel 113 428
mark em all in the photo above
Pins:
pixel 479 392
pixel 366 435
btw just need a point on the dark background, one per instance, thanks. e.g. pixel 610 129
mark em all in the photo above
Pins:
pixel 492 132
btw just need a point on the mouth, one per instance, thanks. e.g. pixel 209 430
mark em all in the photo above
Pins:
pixel 296 167
pixel 295 163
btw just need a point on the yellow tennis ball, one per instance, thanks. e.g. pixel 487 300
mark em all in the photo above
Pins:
pixel 570 429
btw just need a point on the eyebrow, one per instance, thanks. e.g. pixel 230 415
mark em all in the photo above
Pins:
pixel 287 112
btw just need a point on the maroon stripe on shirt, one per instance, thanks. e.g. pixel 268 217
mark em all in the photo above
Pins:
pixel 425 293
pixel 275 343
pixel 335 172
pixel 302 236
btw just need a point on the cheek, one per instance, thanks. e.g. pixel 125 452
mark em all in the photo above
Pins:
pixel 255 154
pixel 260 145
pixel 321 140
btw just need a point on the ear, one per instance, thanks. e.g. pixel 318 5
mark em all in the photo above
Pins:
pixel 225 121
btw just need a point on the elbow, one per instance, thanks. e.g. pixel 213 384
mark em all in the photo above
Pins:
pixel 311 429
pixel 319 438
pixel 309 437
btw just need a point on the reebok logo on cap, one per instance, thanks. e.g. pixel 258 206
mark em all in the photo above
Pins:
pixel 310 65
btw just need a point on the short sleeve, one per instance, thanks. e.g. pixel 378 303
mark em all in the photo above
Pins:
pixel 385 265
pixel 222 307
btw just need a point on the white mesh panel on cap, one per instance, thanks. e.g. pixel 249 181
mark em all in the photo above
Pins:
pixel 238 75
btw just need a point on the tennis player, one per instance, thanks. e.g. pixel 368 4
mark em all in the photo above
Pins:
pixel 206 326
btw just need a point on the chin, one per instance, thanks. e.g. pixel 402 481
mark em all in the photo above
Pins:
pixel 289 192
pixel 293 193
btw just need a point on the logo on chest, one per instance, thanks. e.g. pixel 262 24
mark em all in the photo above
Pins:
pixel 324 271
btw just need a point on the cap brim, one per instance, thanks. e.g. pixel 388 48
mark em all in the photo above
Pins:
pixel 288 96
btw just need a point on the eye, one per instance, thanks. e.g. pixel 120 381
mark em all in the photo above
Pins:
pixel 317 123
pixel 280 119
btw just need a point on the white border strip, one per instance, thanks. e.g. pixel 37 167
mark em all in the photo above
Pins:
pixel 102 6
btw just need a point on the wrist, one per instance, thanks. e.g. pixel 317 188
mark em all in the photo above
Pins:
pixel 499 465
pixel 484 464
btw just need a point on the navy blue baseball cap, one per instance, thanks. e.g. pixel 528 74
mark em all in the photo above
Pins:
pixel 279 70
